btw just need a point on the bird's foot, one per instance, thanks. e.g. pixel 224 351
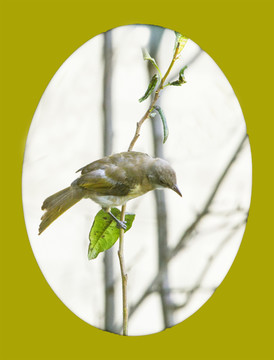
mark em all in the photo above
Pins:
pixel 120 224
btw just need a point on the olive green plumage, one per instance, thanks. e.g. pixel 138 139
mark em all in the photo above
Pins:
pixel 111 181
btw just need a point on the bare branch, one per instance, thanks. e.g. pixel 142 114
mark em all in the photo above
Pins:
pixel 107 149
pixel 160 201
pixel 188 232
pixel 208 264
pixel 123 275
pixel 209 201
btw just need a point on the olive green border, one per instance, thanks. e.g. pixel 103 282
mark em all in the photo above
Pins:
pixel 36 38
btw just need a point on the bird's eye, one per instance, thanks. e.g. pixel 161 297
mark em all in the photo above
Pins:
pixel 162 182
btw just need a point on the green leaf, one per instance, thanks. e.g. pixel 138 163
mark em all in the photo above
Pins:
pixel 146 56
pixel 104 232
pixel 181 79
pixel 151 87
pixel 164 122
pixel 181 72
pixel 175 83
pixel 180 41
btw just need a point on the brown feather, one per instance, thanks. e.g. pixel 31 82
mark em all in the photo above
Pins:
pixel 111 181
pixel 56 204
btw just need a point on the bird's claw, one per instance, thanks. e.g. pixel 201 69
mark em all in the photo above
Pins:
pixel 121 224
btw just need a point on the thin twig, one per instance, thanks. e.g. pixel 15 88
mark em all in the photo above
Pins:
pixel 132 143
pixel 189 231
pixel 208 264
pixel 209 201
pixel 153 102
pixel 123 275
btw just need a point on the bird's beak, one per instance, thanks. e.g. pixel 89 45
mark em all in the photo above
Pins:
pixel 176 189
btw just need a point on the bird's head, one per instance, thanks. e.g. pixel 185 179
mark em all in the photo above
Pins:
pixel 161 175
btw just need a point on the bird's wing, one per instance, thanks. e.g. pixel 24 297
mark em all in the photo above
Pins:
pixel 95 165
pixel 110 181
pixel 117 174
pixel 115 159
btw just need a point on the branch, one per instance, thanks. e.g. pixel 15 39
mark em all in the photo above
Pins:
pixel 123 275
pixel 132 143
pixel 190 62
pixel 209 201
pixel 160 202
pixel 153 102
pixel 107 144
pixel 208 264
pixel 155 281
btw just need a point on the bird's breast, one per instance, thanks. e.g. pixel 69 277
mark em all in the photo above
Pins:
pixel 108 201
pixel 140 189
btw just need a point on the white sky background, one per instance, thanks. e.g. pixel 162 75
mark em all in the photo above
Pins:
pixel 206 125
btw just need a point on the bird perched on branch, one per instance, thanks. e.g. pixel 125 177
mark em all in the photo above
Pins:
pixel 112 181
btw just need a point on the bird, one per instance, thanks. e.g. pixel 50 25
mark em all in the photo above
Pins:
pixel 111 181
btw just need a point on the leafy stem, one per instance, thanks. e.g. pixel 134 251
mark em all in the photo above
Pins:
pixel 155 98
pixel 178 48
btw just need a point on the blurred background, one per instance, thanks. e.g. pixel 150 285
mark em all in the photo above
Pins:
pixel 179 249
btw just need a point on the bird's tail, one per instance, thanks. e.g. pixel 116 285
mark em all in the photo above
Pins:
pixel 56 204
